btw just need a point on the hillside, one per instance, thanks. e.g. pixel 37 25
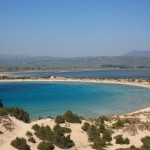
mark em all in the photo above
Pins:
pixel 12 63
pixel 138 53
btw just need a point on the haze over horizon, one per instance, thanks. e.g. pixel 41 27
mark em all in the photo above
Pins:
pixel 74 28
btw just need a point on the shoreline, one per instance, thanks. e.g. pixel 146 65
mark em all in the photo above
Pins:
pixel 136 82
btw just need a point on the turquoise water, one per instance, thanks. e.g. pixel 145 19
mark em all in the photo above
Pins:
pixel 87 99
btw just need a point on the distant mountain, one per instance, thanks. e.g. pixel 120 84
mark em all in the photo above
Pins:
pixel 13 57
pixel 138 53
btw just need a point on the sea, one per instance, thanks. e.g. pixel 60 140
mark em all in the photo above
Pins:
pixel 42 99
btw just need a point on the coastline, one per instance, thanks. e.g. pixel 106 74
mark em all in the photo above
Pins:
pixel 19 128
pixel 136 82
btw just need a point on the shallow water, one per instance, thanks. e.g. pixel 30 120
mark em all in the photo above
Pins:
pixel 89 73
pixel 86 99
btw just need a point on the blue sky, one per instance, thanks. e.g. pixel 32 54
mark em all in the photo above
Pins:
pixel 74 27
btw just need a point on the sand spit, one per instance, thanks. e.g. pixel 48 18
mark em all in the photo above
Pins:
pixel 133 82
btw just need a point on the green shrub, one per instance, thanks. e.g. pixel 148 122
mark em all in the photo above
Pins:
pixel 44 133
pixel 66 130
pixel 50 117
pixel 35 127
pixel 61 141
pixel 39 118
pixel 120 140
pixel 1 104
pixel 101 119
pixel 3 111
pixel 107 136
pixel 45 146
pixel 62 130
pixel 85 126
pixel 29 134
pixel 118 124
pixel 99 143
pixel 20 144
pixel 32 140
pixel 92 133
pixel 126 141
pixel 18 113
pixel 71 117
pixel 132 147
pixel 146 142
pixel 101 127
pixel 59 119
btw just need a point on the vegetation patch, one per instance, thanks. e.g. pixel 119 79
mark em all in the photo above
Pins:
pixel 85 126
pixel 32 140
pixel 120 140
pixel 35 127
pixel 45 146
pixel 93 133
pixel 59 119
pixel 99 143
pixel 119 124
pixel 69 116
pixel 29 134
pixel 18 113
pixel 146 143
pixel 20 144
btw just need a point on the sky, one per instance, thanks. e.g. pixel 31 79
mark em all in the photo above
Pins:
pixel 73 28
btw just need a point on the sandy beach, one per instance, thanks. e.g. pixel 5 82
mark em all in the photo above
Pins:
pixel 135 82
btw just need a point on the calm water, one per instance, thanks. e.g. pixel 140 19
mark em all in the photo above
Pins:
pixel 87 99
pixel 92 73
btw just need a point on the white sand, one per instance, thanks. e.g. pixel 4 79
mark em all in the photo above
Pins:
pixel 78 136
pixel 137 82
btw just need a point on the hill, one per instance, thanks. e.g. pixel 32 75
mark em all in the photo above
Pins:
pixel 138 53
pixel 24 63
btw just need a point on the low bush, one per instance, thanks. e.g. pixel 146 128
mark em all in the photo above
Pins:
pixel 99 144
pixel 3 111
pixel 29 134
pixel 146 142
pixel 132 147
pixel 126 141
pixel 69 116
pixel 61 141
pixel 32 140
pixel 93 133
pixel 85 126
pixel 120 140
pixel 1 104
pixel 118 124
pixel 35 127
pixel 62 130
pixel 18 113
pixel 101 119
pixel 44 133
pixel 45 146
pixel 107 136
pixel 20 144
pixel 101 127
pixel 59 119
pixel 50 117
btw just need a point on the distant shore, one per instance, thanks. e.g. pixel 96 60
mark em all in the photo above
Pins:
pixel 133 82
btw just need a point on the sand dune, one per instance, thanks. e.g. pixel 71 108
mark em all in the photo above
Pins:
pixel 12 128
